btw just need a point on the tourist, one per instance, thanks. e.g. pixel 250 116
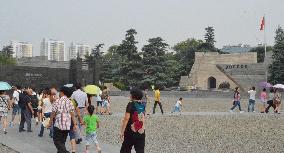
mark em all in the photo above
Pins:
pixel 26 111
pixel 35 100
pixel 251 104
pixel 178 106
pixel 72 133
pixel 277 101
pixel 157 100
pixel 263 99
pixel 236 101
pixel 40 103
pixel 132 131
pixel 270 101
pixel 62 114
pixel 99 104
pixel 106 101
pixel 46 110
pixel 15 105
pixel 4 106
pixel 81 98
pixel 91 122
pixel 146 101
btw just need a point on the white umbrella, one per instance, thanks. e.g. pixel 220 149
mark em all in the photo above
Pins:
pixel 279 86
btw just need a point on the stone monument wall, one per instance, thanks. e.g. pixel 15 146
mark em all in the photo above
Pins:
pixel 41 77
pixel 205 68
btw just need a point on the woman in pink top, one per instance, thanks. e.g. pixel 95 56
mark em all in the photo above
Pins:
pixel 237 100
pixel 263 97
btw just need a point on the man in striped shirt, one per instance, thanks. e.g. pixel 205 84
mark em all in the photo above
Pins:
pixel 62 115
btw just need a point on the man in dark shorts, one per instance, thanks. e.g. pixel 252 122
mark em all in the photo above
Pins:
pixel 133 131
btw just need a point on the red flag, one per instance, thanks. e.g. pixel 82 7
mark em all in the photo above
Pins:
pixel 262 24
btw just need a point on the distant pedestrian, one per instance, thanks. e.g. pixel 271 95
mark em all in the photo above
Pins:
pixel 99 104
pixel 91 122
pixel 237 100
pixel 178 106
pixel 277 101
pixel 146 101
pixel 157 100
pixel 15 105
pixel 4 106
pixel 35 101
pixel 46 110
pixel 263 100
pixel 82 100
pixel 133 125
pixel 62 115
pixel 270 101
pixel 106 101
pixel 251 104
pixel 26 111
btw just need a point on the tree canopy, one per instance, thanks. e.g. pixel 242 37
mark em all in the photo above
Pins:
pixel 276 69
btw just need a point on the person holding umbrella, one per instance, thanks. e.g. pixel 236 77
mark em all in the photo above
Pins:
pixel 4 104
pixel 4 107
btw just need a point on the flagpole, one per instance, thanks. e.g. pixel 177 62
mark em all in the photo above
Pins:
pixel 265 64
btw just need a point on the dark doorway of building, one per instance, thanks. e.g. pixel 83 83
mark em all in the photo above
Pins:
pixel 211 83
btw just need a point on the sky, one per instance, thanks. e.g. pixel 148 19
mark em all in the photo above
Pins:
pixel 106 21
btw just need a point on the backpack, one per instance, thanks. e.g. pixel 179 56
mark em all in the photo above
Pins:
pixel 138 116
pixel 34 100
pixel 21 101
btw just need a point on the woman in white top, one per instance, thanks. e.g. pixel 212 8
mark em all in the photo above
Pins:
pixel 46 110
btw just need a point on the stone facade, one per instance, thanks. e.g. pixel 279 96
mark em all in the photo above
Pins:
pixel 42 77
pixel 211 69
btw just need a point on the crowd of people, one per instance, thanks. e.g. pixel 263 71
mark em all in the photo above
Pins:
pixel 74 113
pixel 266 100
pixel 67 111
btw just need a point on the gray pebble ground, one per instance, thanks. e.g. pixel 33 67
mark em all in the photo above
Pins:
pixel 205 126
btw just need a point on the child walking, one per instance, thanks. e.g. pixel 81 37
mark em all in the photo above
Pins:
pixel 92 123
pixel 178 106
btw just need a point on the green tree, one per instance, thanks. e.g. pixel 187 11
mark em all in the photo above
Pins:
pixel 276 69
pixel 185 54
pixel 130 68
pixel 110 62
pixel 94 62
pixel 209 38
pixel 155 63
pixel 260 52
pixel 6 56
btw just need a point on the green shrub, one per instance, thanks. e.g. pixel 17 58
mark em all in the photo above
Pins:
pixel 224 85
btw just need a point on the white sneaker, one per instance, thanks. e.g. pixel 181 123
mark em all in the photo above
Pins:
pixel 231 111
pixel 253 111
pixel 241 111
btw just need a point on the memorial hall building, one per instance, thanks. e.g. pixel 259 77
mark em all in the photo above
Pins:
pixel 210 69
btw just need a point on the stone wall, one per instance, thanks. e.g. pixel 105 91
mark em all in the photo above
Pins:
pixel 184 94
pixel 41 77
pixel 205 66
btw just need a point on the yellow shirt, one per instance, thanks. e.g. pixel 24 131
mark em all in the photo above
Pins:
pixel 157 95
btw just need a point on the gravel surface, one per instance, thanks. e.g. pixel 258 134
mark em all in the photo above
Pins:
pixel 205 126
pixel 5 149
pixel 203 131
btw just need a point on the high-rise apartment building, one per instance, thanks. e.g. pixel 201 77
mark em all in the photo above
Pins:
pixel 22 49
pixel 78 50
pixel 53 49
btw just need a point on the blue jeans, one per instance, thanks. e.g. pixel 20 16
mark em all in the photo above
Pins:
pixel 251 105
pixel 176 109
pixel 46 115
pixel 237 103
pixel 16 109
